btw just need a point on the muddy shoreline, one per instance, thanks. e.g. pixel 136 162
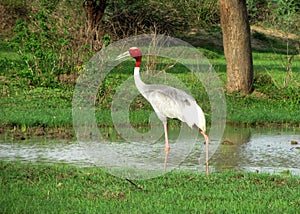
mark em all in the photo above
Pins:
pixel 68 133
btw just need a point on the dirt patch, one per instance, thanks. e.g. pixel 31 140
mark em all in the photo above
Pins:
pixel 259 94
pixel 267 38
pixel 274 33
pixel 202 38
pixel 262 39
pixel 67 78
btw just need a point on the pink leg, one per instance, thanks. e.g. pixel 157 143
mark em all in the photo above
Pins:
pixel 167 145
pixel 206 149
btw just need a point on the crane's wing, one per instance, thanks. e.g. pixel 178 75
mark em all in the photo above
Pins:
pixel 174 103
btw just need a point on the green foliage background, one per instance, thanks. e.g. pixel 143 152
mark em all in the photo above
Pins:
pixel 45 45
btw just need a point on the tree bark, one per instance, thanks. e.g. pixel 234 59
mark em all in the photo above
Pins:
pixel 94 10
pixel 237 45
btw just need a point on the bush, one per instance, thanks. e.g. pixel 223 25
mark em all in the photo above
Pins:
pixel 126 18
pixel 46 45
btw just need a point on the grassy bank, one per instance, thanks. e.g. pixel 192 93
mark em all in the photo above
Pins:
pixel 273 101
pixel 60 188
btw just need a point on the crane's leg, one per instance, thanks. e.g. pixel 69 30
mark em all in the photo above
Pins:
pixel 206 149
pixel 167 144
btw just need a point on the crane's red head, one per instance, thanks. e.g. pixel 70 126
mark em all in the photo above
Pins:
pixel 137 54
pixel 133 52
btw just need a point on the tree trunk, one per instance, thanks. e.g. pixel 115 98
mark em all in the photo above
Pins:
pixel 94 11
pixel 237 45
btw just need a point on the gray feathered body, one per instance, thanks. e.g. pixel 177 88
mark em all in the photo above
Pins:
pixel 170 102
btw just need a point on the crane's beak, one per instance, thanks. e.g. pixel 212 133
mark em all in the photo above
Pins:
pixel 123 55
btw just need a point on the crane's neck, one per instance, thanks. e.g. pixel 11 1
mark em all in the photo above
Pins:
pixel 137 66
pixel 138 60
pixel 137 78
pixel 137 72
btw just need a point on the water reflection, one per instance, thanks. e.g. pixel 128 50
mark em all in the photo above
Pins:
pixel 259 149
pixel 242 148
pixel 229 152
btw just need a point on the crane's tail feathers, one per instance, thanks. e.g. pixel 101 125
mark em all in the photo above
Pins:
pixel 201 119
pixel 194 116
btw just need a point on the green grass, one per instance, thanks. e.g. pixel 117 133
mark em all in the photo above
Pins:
pixel 252 110
pixel 37 107
pixel 29 188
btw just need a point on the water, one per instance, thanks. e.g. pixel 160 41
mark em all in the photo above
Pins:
pixel 270 150
pixel 37 150
pixel 259 149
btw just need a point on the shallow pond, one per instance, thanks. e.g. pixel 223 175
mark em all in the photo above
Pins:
pixel 273 150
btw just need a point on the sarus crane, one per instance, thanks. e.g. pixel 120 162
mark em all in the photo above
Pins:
pixel 169 102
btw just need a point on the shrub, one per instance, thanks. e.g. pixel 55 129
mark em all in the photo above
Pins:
pixel 46 45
